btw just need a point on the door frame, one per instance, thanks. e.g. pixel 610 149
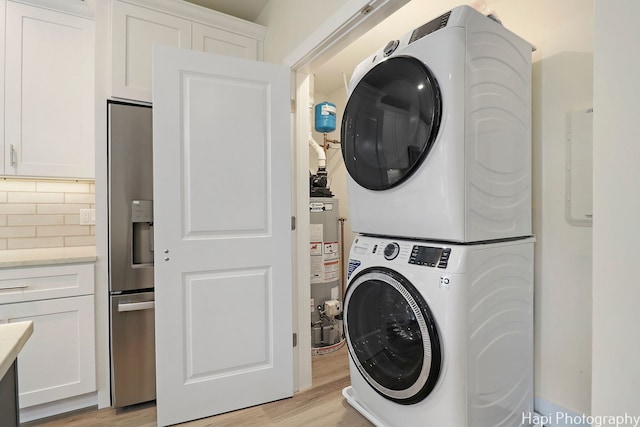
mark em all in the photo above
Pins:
pixel 351 21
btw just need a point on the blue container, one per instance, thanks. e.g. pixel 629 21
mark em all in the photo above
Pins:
pixel 325 117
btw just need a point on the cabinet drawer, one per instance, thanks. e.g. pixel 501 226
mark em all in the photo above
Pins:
pixel 38 283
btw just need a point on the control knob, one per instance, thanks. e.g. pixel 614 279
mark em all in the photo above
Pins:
pixel 391 251
pixel 390 47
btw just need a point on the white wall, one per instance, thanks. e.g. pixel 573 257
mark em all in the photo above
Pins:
pixel 616 272
pixel 562 83
pixel 290 22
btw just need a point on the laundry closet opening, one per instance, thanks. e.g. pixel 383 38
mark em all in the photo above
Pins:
pixel 330 229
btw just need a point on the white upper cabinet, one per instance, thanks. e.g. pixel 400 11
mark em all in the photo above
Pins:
pixel 49 93
pixel 139 24
pixel 86 8
pixel 214 40
pixel 135 30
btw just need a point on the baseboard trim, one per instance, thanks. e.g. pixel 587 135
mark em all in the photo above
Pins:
pixel 552 415
pixel 59 407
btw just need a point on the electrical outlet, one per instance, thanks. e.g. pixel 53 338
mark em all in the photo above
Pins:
pixel 87 216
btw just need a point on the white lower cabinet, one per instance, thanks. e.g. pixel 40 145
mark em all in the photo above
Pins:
pixel 58 361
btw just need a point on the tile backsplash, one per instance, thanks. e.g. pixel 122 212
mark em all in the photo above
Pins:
pixel 44 213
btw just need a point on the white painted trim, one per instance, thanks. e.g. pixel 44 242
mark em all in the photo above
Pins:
pixel 301 168
pixel 103 89
pixel 351 21
pixel 83 8
pixel 58 407
pixel 334 35
pixel 204 16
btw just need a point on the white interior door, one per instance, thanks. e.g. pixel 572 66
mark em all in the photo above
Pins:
pixel 221 157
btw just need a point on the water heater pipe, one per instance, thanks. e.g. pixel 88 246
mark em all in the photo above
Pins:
pixel 322 156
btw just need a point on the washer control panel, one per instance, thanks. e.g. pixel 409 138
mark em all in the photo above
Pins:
pixel 430 256
pixel 401 252
pixel 391 251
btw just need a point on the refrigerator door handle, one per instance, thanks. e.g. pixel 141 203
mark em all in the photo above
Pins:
pixel 136 306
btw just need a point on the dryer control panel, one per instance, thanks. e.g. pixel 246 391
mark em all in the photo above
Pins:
pixel 430 256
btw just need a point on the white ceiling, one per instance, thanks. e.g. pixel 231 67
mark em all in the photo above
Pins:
pixel 244 9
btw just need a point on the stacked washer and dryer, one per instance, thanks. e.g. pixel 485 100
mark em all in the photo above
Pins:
pixel 438 312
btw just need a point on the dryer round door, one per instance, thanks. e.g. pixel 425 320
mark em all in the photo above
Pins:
pixel 391 335
pixel 390 122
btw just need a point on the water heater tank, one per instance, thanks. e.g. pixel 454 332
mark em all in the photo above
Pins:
pixel 326 291
pixel 325 117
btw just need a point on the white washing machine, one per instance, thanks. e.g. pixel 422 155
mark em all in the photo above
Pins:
pixel 436 134
pixel 440 334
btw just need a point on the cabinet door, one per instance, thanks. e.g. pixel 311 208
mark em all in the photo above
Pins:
pixel 49 93
pixel 135 30
pixel 58 361
pixel 214 40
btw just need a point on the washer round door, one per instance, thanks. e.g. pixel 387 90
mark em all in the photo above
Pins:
pixel 390 122
pixel 391 335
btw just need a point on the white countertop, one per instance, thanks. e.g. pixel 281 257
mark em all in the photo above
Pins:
pixel 46 256
pixel 13 336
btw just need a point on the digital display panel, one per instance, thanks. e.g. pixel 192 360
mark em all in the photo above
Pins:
pixel 425 255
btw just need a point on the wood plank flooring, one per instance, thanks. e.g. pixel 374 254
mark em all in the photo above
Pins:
pixel 320 405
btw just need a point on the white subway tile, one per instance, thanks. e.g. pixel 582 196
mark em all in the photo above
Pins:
pixel 26 231
pixel 62 208
pixel 36 242
pixel 63 230
pixel 27 197
pixel 63 186
pixel 18 220
pixel 18 208
pixel 8 184
pixel 39 213
pixel 80 241
pixel 72 219
pixel 79 198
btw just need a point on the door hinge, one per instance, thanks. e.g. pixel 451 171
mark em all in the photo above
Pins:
pixel 293 223
pixel 295 339
pixel 293 105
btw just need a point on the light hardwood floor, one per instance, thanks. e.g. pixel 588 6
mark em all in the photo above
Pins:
pixel 321 405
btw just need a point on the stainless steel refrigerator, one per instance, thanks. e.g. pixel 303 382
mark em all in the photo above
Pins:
pixel 131 284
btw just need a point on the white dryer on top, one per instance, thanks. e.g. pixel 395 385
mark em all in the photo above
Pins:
pixel 436 134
